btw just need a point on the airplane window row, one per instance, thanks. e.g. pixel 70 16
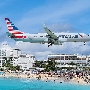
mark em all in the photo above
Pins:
pixel 40 36
pixel 63 36
pixel 35 36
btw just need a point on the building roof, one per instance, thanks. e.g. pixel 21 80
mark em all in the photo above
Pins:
pixel 16 49
pixel 62 55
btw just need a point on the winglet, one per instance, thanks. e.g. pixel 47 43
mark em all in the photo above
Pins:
pixel 43 24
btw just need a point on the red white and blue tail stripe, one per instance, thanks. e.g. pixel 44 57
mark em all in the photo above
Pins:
pixel 80 35
pixel 11 27
pixel 14 30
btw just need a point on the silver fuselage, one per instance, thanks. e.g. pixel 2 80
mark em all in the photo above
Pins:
pixel 63 37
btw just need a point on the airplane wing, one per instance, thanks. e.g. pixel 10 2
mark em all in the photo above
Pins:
pixel 52 38
pixel 50 34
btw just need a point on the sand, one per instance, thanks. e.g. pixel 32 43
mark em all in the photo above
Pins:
pixel 45 77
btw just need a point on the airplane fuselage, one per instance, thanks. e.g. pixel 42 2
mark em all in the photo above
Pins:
pixel 42 37
pixel 48 37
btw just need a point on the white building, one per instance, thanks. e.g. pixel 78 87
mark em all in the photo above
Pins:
pixel 23 60
pixel 2 54
pixel 10 51
pixel 63 59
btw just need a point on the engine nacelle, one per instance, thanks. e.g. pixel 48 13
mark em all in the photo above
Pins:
pixel 46 40
pixel 58 43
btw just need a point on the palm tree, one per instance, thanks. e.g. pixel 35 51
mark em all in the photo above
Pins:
pixel 50 65
pixel 37 63
pixel 17 68
pixel 72 63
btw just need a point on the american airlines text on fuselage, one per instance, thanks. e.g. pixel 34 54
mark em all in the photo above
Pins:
pixel 68 36
pixel 62 36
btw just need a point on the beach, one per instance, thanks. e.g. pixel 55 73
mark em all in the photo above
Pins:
pixel 47 77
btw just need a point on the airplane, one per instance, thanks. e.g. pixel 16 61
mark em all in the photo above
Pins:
pixel 42 38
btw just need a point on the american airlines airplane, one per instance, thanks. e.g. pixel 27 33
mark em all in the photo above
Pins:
pixel 42 38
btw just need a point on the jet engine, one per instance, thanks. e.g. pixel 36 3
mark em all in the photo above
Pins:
pixel 58 43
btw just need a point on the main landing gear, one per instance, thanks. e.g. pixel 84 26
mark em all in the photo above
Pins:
pixel 49 44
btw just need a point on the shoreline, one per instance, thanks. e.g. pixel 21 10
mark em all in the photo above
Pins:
pixel 46 78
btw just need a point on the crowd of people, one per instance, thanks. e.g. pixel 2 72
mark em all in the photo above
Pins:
pixel 81 77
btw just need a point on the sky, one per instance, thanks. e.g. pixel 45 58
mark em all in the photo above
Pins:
pixel 58 15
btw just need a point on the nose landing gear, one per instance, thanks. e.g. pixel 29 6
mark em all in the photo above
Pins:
pixel 84 43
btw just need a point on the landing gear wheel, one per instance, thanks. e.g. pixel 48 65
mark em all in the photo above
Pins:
pixel 50 44
pixel 60 43
pixel 84 43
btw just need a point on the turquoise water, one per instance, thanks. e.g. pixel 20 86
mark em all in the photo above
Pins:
pixel 27 84
pixel 2 72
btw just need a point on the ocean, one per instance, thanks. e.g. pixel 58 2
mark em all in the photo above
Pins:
pixel 28 84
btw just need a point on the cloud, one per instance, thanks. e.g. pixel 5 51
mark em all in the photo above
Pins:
pixel 3 29
pixel 41 51
pixel 58 12
pixel 42 55
pixel 49 12
pixel 60 27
